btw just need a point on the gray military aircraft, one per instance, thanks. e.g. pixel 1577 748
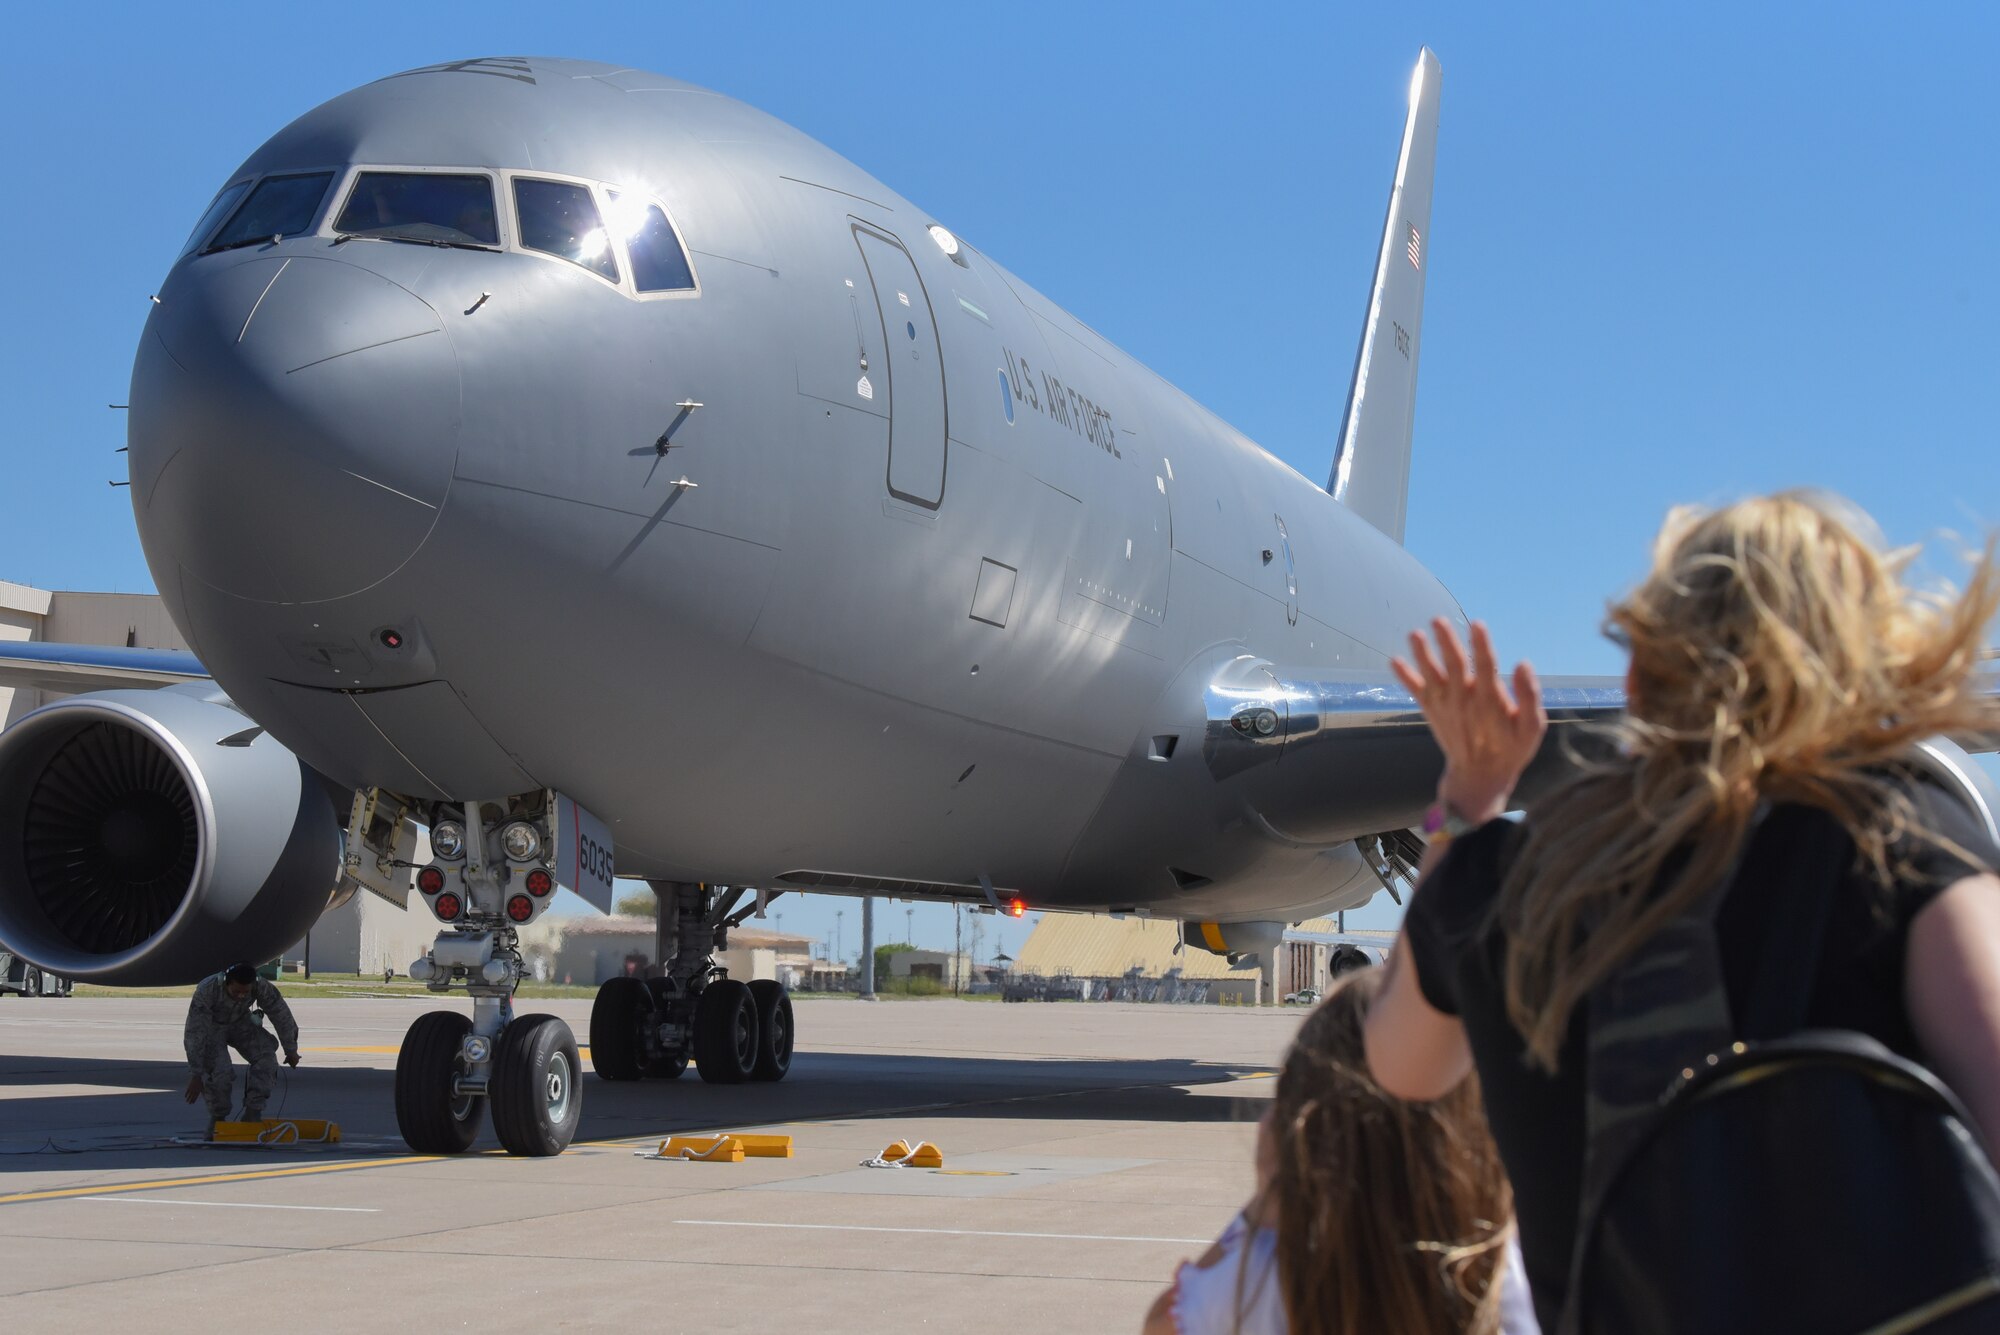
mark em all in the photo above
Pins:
pixel 597 472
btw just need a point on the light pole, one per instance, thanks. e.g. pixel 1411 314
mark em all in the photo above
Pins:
pixel 868 948
pixel 909 917
pixel 836 936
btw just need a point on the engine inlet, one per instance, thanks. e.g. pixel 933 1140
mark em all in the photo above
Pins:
pixel 110 839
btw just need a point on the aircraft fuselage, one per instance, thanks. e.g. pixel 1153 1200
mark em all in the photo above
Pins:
pixel 854 559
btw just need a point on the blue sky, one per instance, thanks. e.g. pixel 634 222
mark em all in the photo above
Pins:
pixel 1677 254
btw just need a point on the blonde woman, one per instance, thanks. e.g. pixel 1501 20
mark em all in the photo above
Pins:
pixel 1370 1214
pixel 1778 664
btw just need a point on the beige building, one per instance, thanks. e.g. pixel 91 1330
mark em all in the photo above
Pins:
pixel 1094 955
pixel 587 951
pixel 135 620
pixel 943 967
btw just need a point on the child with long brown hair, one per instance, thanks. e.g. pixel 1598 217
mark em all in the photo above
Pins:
pixel 1370 1214
pixel 1781 671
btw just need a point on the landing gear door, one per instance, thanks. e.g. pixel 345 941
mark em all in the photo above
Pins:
pixel 582 855
pixel 381 843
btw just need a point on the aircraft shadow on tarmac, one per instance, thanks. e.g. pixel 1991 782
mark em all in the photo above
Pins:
pixel 105 1112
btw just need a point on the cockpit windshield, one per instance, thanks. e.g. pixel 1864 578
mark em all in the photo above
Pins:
pixel 279 206
pixel 224 202
pixel 658 263
pixel 560 219
pixel 421 206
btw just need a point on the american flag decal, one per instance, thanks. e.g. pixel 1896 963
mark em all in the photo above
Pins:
pixel 1415 249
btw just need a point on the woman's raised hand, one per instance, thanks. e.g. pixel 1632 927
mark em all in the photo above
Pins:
pixel 1488 733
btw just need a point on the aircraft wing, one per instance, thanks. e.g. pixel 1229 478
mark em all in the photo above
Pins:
pixel 1382 706
pixel 94 667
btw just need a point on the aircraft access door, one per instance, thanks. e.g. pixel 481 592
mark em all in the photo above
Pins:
pixel 911 377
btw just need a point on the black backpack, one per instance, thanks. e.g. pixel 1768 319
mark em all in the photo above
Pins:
pixel 1786 1180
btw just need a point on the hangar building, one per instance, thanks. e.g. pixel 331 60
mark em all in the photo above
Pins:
pixel 1097 956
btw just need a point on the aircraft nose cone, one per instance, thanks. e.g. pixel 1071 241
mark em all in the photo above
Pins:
pixel 294 425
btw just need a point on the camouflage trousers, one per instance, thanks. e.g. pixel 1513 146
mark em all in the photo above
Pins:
pixel 259 1049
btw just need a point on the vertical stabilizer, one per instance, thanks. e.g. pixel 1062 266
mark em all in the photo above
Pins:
pixel 1371 463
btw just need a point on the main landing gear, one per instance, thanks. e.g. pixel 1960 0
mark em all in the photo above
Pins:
pixel 651 1028
pixel 522 1070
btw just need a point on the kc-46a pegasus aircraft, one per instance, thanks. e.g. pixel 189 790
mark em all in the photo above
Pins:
pixel 597 472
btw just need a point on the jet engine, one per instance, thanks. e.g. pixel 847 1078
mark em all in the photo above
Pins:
pixel 156 836
pixel 1234 940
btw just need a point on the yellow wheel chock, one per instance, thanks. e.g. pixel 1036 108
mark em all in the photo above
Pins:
pixel 278 1131
pixel 730 1147
pixel 901 1155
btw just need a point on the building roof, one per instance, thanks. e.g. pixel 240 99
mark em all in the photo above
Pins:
pixel 616 924
pixel 756 937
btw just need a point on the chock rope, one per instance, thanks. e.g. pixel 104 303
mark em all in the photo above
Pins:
pixel 907 1153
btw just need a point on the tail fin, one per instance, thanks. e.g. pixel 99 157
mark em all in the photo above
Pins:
pixel 1371 464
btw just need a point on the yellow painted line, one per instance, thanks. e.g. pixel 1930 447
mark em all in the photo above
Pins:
pixel 380 1049
pixel 213 1178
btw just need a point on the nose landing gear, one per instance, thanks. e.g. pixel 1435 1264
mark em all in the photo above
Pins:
pixel 523 1070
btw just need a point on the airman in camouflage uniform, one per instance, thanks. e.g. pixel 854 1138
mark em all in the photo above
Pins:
pixel 220 1017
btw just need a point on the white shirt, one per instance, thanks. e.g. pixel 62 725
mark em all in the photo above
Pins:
pixel 1206 1299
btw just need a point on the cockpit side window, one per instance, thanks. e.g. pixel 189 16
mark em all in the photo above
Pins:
pixel 658 262
pixel 421 206
pixel 224 202
pixel 560 218
pixel 279 206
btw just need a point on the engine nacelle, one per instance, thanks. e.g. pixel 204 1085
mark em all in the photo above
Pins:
pixel 1234 940
pixel 160 835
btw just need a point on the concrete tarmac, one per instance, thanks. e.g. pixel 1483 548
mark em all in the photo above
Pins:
pixel 1088 1148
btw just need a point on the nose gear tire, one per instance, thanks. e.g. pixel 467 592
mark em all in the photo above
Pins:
pixel 774 1029
pixel 432 1118
pixel 726 1033
pixel 536 1099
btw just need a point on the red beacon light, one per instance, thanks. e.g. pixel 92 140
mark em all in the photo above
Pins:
pixel 539 882
pixel 446 906
pixel 520 908
pixel 1017 906
pixel 430 880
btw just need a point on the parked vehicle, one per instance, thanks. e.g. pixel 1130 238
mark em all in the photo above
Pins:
pixel 19 976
